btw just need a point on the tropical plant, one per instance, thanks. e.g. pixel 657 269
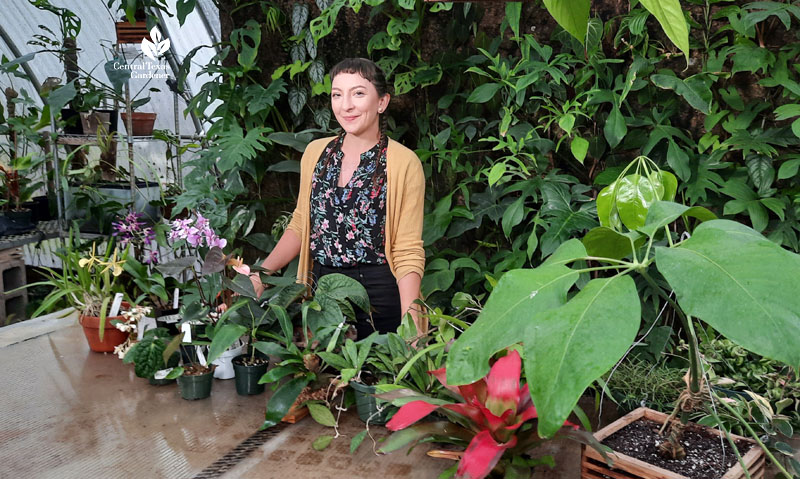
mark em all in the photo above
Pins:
pixel 152 353
pixel 492 418
pixel 86 283
pixel 726 274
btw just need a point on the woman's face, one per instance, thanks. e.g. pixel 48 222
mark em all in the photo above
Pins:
pixel 356 104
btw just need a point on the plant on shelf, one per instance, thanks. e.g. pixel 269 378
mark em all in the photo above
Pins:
pixel 17 186
pixel 492 420
pixel 725 274
pixel 88 283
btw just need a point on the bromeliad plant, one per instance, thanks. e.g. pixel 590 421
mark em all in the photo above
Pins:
pixel 726 274
pixel 493 418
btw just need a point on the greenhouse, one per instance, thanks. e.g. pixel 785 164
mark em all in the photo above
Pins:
pixel 400 239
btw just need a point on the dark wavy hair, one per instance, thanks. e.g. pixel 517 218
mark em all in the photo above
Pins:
pixel 364 67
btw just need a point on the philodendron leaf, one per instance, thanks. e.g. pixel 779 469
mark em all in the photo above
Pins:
pixel 742 284
pixel 568 348
pixel 572 15
pixel 626 201
pixel 662 213
pixel 607 243
pixel 518 296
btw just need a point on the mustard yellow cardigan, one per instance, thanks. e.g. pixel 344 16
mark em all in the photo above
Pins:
pixel 405 198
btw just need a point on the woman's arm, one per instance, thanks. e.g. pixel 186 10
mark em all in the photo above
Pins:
pixel 283 253
pixel 409 286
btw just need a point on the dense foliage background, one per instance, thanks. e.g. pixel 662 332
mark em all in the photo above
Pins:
pixel 517 123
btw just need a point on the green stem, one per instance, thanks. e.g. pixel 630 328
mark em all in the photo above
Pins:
pixel 694 357
pixel 754 436
pixel 730 441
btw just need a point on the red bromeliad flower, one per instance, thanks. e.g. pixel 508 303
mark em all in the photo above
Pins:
pixel 494 408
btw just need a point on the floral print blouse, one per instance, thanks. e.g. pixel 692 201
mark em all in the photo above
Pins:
pixel 348 223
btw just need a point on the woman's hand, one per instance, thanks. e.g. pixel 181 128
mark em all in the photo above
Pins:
pixel 258 286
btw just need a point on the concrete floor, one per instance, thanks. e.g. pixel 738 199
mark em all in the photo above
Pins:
pixel 68 412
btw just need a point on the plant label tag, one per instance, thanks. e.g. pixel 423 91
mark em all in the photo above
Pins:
pixel 144 324
pixel 200 356
pixel 162 373
pixel 186 329
pixel 115 305
pixel 176 296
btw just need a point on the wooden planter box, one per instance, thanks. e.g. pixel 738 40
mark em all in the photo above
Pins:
pixel 593 466
pixel 132 33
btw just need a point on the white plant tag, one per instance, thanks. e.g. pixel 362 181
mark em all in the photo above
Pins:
pixel 200 356
pixel 186 329
pixel 176 297
pixel 115 305
pixel 144 324
pixel 162 373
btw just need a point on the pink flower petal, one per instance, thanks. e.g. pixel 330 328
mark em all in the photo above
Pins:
pixel 409 414
pixel 481 456
pixel 503 384
pixel 242 269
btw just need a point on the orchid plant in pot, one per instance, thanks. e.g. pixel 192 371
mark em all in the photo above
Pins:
pixel 202 250
pixel 88 283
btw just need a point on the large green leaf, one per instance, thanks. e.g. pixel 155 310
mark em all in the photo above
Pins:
pixel 280 402
pixel 743 285
pixel 341 287
pixel 572 15
pixel 626 201
pixel 695 90
pixel 662 213
pixel 62 95
pixel 518 297
pixel 223 339
pixel 568 348
pixel 484 93
pixel 615 128
pixel 608 243
pixel 670 15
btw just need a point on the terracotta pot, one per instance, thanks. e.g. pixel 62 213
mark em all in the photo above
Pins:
pixel 142 123
pixel 112 337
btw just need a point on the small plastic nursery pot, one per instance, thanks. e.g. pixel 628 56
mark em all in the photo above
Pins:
pixel 112 337
pixel 224 363
pixel 196 386
pixel 173 361
pixel 247 376
pixel 367 405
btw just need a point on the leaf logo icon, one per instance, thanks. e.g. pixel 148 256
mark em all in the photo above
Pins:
pixel 153 50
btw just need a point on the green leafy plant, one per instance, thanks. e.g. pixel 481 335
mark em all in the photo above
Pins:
pixel 154 352
pixel 85 282
pixel 583 334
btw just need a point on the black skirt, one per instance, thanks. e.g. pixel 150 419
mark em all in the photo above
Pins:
pixel 384 296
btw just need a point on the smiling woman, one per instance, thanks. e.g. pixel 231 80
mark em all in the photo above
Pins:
pixel 360 208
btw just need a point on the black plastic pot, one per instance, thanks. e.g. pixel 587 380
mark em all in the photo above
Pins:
pixel 173 361
pixel 247 376
pixel 196 387
pixel 40 208
pixel 367 405
pixel 22 217
pixel 72 119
